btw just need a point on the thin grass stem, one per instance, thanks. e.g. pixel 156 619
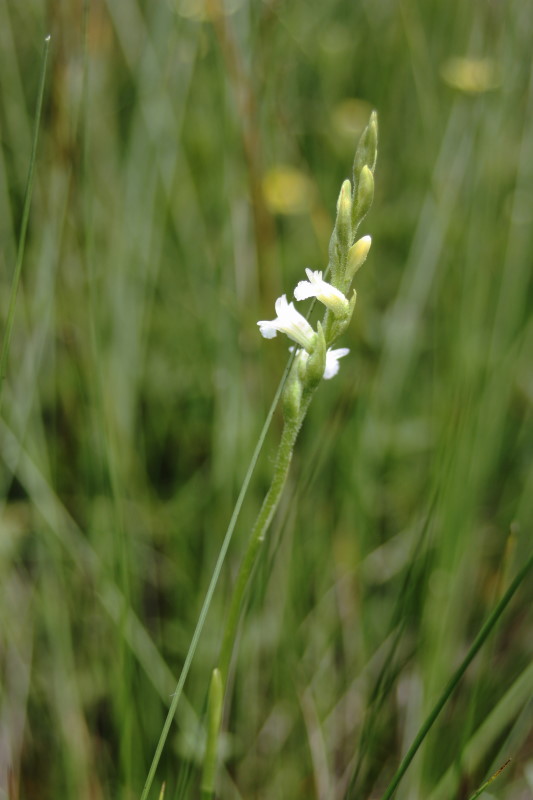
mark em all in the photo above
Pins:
pixel 492 778
pixel 257 537
pixel 28 192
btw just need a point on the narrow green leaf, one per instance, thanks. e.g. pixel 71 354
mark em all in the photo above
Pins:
pixel 25 218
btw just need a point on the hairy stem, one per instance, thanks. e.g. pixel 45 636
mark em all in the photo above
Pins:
pixel 257 537
pixel 289 435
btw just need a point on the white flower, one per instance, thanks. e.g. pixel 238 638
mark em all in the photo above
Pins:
pixel 332 360
pixel 290 322
pixel 316 287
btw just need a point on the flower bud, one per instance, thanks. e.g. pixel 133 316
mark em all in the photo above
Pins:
pixel 363 196
pixel 367 149
pixel 316 363
pixel 356 257
pixel 339 325
pixel 343 224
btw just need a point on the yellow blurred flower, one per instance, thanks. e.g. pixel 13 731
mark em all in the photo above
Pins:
pixel 471 75
pixel 287 190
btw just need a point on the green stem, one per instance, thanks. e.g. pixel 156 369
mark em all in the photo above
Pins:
pixel 211 588
pixel 456 677
pixel 257 536
pixel 289 435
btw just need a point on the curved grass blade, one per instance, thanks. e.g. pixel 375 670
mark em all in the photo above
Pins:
pixel 479 641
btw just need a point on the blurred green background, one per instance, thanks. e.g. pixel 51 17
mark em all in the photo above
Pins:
pixel 189 163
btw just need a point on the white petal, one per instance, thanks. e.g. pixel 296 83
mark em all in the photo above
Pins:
pixel 314 277
pixel 281 305
pixel 332 297
pixel 304 290
pixel 310 287
pixel 267 328
pixel 290 322
pixel 332 361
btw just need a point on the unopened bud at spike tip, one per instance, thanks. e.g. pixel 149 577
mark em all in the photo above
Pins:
pixel 372 144
pixel 364 196
pixel 367 149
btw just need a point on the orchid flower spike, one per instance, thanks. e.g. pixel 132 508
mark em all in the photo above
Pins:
pixel 332 360
pixel 316 287
pixel 290 322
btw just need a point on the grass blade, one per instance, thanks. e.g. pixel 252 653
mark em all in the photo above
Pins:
pixel 25 218
pixel 480 639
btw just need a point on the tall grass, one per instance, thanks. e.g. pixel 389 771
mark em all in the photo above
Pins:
pixel 137 386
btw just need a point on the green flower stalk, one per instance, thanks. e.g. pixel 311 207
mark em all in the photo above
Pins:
pixel 314 360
